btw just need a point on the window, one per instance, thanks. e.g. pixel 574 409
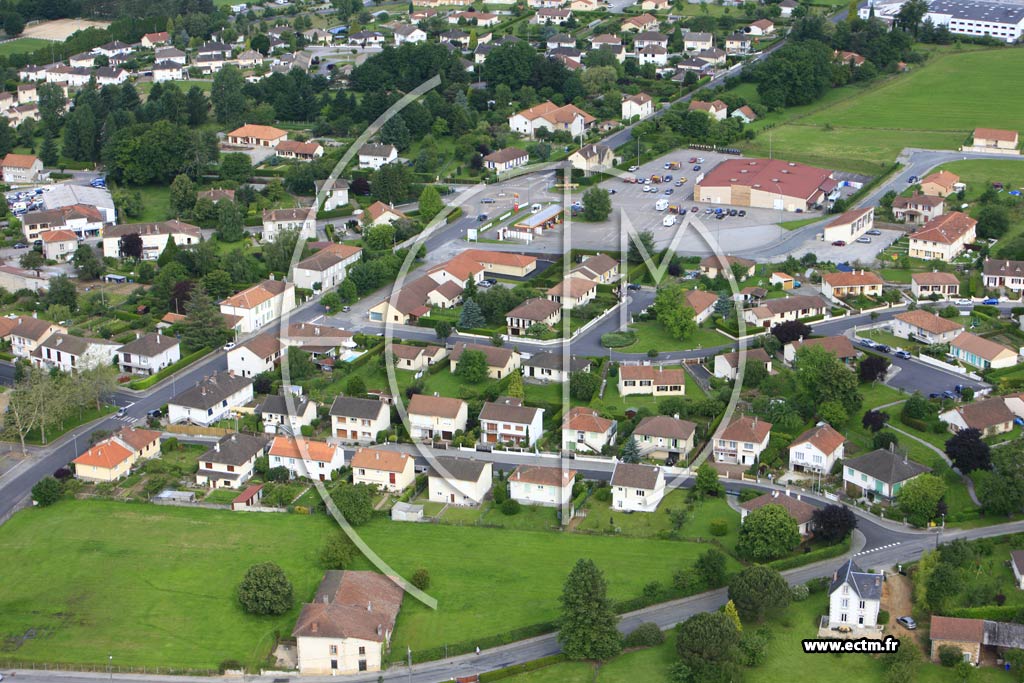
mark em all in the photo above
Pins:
pixel 209 465
pixel 231 468
pixel 333 649
pixel 862 604
pixel 844 603
pixel 362 649
pixel 641 493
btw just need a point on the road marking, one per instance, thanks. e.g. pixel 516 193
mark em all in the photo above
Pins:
pixel 881 547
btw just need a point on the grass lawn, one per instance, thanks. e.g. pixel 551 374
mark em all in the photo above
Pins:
pixel 653 335
pixel 35 438
pixel 785 655
pixel 22 45
pixel 530 517
pixel 223 496
pixel 101 569
pixel 793 225
pixel 156 203
pixel 979 174
pixel 697 524
pixel 864 128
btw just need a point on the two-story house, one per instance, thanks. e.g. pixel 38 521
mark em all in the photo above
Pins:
pixel 537 485
pixel 918 209
pixel 389 470
pixel 260 304
pixel 1003 273
pixel 148 354
pixel 927 285
pixel 599 268
pixel 943 238
pixel 154 238
pixel 276 221
pixel 260 354
pixel 210 400
pixel 436 417
pixel 305 457
pixel 573 292
pixel 278 417
pixel 458 481
pixel 69 353
pixel 347 627
pixel 549 366
pixel 663 437
pixel 359 420
pixel 584 430
pixel 374 156
pixel 637 488
pixel 417 358
pixel 817 449
pixel 507 420
pixel 28 332
pixel 327 268
pixel 535 311
pixel 841 285
pixel 854 597
pixel 230 462
pixel 742 441
pixel 727 365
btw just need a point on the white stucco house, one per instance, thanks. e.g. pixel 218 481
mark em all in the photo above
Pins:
pixel 458 481
pixel 637 488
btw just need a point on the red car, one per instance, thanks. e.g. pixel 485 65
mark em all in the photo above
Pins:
pixel 693 160
pixel 839 243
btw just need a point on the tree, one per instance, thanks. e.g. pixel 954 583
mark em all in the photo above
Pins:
pixel 265 590
pixel 300 365
pixel 48 152
pixel 278 254
pixel 338 552
pixel 821 378
pixel 833 523
pixel 707 637
pixel 791 331
pixel 169 255
pixel 706 483
pixel 204 325
pixel 874 420
pixel 183 194
pixel 32 260
pixel 583 385
pixel 873 368
pixel 395 132
pixel 943 584
pixel 515 387
pixel 919 498
pixel 993 221
pixel 14 24
pixel 711 567
pixel 47 491
pixel 226 95
pixel 587 627
pixel 355 502
pixel 630 451
pixel 910 15
pixel 768 533
pixel 644 237
pixel 235 166
pixel 392 183
pixel 734 615
pixel 62 293
pixel 379 237
pixel 472 366
pixel 471 317
pixel 443 329
pixel 968 452
pixel 596 204
pixel 674 312
pixel 759 591
pixel 430 203
pixel 130 246
pixel 230 223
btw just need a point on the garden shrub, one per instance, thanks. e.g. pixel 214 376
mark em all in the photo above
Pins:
pixel 719 527
pixel 647 634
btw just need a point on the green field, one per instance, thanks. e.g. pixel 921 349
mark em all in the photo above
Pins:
pixel 864 128
pixel 653 335
pixel 102 570
pixel 22 46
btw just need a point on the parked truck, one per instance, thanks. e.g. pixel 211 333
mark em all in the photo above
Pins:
pixel 673 208
pixel 674 165
pixel 668 221
pixel 661 205
pixel 655 178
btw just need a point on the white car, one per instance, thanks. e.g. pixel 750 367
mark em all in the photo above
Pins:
pixel 229 346
pixel 632 169
pixel 964 302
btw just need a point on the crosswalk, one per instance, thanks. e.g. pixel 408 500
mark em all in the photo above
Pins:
pixel 881 547
pixel 127 419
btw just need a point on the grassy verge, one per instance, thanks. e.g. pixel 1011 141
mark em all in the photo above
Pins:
pixel 35 437
pixel 139 384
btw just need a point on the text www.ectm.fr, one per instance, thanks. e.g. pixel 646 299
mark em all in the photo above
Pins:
pixel 826 645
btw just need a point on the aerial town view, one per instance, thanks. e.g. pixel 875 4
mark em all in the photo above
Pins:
pixel 534 341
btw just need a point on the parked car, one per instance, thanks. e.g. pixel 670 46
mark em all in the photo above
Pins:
pixel 839 243
pixel 959 388
pixel 991 301
pixel 693 160
pixel 907 622
pixel 611 191
pixel 694 209
pixel 632 169
pixel 696 167
pixel 633 287
pixel 484 284
pixel 935 394
pixel 679 183
pixel 963 302
pixel 949 394
pixel 487 200
pixel 700 160
pixel 669 191
pixel 742 213
pixel 481 218
pixel 913 179
pixel 21 245
pixel 733 212
pixel 884 348
pixel 708 210
pixel 873 231
pixel 155 413
pixel 229 346
pixel 864 240
pixel 905 355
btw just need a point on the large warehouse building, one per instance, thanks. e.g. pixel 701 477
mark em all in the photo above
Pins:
pixel 1002 20
pixel 766 184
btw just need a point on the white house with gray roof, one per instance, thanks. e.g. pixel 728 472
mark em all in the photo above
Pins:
pixel 459 481
pixel 880 473
pixel 359 420
pixel 637 488
pixel 68 353
pixel 277 418
pixel 148 354
pixel 507 420
pixel 211 399
pixel 854 597
pixel 230 462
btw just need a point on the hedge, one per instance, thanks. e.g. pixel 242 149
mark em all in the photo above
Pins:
pixel 346 210
pixel 126 316
pixel 455 215
pixel 465 647
pixel 366 357
pixel 811 557
pixel 517 669
pixel 139 384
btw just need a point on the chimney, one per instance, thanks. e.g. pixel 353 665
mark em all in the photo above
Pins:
pixel 138 335
pixel 369 606
pixel 216 447
pixel 313 627
pixel 233 437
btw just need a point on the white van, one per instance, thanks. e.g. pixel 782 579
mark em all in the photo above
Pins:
pixel 661 205
pixel 669 220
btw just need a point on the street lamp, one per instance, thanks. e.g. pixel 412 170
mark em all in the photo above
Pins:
pixel 638 149
pixel 110 666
